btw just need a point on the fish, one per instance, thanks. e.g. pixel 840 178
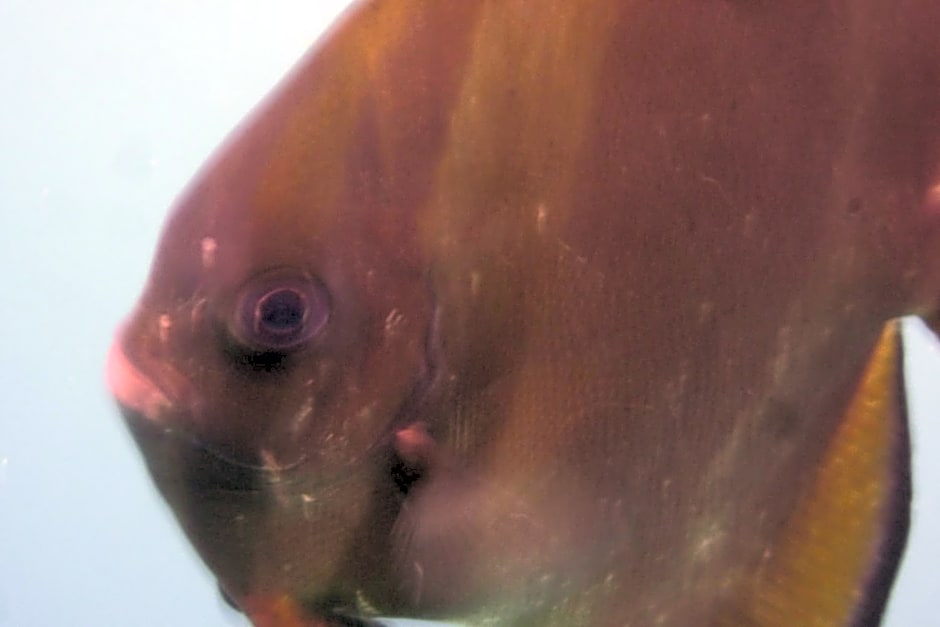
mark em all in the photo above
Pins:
pixel 560 313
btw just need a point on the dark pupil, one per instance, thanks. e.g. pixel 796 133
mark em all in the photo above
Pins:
pixel 281 311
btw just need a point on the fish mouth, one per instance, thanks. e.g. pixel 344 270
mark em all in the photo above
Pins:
pixel 161 408
pixel 160 399
pixel 132 389
pixel 168 451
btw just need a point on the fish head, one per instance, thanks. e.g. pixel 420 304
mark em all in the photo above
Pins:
pixel 281 335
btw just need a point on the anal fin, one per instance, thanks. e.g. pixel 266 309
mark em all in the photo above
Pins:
pixel 837 558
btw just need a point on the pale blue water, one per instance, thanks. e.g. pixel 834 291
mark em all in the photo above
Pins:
pixel 106 110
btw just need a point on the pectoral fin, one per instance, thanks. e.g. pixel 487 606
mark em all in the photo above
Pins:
pixel 839 553
pixel 451 516
pixel 436 530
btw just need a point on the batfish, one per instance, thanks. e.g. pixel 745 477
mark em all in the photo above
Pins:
pixel 564 313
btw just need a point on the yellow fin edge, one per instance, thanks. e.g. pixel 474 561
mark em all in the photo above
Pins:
pixel 841 547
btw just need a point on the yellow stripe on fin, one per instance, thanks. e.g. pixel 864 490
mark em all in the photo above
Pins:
pixel 842 546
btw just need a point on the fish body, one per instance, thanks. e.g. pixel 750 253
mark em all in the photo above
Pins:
pixel 580 313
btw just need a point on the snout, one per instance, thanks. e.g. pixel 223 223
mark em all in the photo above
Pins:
pixel 133 389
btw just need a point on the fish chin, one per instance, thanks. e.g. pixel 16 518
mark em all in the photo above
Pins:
pixel 233 513
pixel 178 460
pixel 251 517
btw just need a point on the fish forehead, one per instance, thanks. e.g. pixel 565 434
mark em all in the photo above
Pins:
pixel 337 146
pixel 638 231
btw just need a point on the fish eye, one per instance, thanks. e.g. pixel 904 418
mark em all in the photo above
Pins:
pixel 278 312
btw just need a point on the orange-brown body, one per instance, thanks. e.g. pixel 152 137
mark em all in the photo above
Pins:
pixel 608 341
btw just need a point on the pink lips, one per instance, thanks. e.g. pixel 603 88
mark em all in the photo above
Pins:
pixel 132 389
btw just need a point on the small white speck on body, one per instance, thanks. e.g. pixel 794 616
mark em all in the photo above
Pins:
pixel 164 324
pixel 208 247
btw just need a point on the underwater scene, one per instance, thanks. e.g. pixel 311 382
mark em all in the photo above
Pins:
pixel 473 312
